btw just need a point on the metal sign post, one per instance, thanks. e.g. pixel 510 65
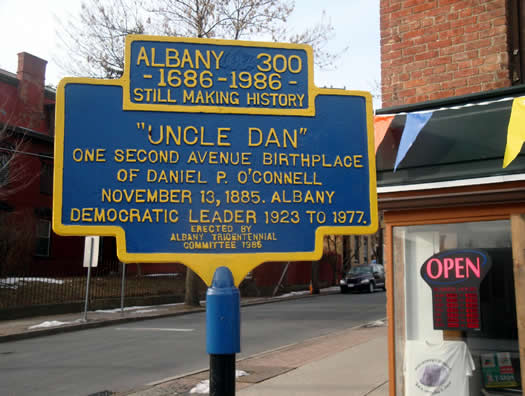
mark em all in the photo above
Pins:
pixel 91 246
pixel 214 154
pixel 122 287
pixel 223 331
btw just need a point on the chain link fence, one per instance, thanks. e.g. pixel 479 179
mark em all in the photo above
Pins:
pixel 19 289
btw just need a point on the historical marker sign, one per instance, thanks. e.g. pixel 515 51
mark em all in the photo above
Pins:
pixel 213 153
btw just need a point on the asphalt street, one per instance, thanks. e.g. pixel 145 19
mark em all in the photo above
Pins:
pixel 127 356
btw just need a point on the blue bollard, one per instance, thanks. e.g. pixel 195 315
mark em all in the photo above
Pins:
pixel 223 331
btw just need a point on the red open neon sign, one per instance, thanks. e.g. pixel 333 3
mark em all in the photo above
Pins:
pixel 455 277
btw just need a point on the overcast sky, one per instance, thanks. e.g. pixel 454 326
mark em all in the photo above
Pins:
pixel 30 26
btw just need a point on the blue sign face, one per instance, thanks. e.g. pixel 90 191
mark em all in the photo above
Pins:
pixel 252 182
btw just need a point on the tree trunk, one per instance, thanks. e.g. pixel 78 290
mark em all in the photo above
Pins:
pixel 315 277
pixel 191 295
pixel 379 250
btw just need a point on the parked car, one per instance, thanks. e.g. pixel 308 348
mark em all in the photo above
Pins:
pixel 367 277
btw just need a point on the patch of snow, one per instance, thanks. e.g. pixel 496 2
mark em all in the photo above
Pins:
pixel 331 288
pixel 173 275
pixel 299 293
pixel 137 307
pixel 52 323
pixel 168 305
pixel 12 283
pixel 204 386
pixel 125 309
pixel 146 310
pixel 240 373
pixel 377 323
pixel 201 387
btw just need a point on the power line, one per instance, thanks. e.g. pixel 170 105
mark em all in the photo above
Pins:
pixel 26 153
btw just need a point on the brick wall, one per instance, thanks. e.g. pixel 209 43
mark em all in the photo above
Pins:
pixel 432 49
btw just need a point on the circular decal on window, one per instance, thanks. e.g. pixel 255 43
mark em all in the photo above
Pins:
pixel 433 375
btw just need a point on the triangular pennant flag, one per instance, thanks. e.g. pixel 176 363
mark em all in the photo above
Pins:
pixel 381 125
pixel 515 131
pixel 413 125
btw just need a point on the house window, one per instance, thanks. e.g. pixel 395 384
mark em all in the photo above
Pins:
pixel 3 239
pixel 43 237
pixel 46 178
pixel 4 168
pixel 50 116
pixel 517 41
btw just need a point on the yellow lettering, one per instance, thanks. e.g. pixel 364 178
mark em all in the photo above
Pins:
pixel 134 215
pixel 252 143
pixel 217 58
pixel 272 138
pixel 338 162
pixel 200 58
pixel 293 141
pixel 123 215
pixel 199 98
pixel 99 216
pixel 138 97
pixel 188 96
pixel 153 64
pixel 143 56
pixel 86 215
pixel 195 131
pixel 77 155
pixel 147 217
pixel 75 214
pixel 221 137
pixel 186 58
pixel 172 54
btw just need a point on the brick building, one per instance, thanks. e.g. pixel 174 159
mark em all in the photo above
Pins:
pixel 441 48
pixel 27 110
pixel 452 75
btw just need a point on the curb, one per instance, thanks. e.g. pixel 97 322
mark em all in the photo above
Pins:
pixel 111 321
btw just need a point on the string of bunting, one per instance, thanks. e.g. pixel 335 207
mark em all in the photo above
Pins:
pixel 416 121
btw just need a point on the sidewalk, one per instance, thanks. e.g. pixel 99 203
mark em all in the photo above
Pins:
pixel 350 362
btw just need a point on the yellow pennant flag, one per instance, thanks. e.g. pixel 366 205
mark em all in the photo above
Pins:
pixel 515 131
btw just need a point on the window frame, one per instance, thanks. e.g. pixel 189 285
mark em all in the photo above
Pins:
pixel 4 168
pixel 46 177
pixel 516 42
pixel 40 238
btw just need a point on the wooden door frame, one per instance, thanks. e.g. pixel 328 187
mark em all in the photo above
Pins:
pixel 449 215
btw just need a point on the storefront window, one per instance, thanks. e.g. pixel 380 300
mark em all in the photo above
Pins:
pixel 493 347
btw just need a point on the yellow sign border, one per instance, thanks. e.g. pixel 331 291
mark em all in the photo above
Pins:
pixel 205 264
pixel 126 79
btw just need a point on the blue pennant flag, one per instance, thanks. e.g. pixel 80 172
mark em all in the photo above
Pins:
pixel 413 125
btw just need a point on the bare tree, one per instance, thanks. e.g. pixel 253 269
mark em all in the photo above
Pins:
pixel 332 243
pixel 14 176
pixel 93 41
